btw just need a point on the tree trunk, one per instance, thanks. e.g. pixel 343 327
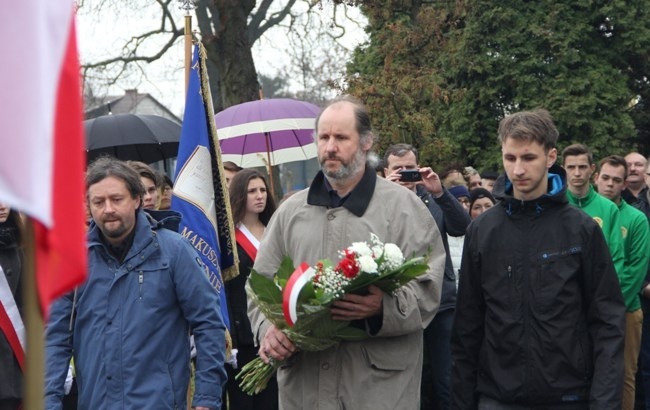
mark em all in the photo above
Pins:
pixel 233 77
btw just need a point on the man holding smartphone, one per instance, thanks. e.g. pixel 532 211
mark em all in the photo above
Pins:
pixel 402 167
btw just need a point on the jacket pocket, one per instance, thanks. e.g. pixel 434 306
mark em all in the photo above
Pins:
pixel 585 361
pixel 556 276
pixel 375 357
pixel 154 286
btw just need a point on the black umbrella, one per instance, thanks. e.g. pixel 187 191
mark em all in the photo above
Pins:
pixel 146 138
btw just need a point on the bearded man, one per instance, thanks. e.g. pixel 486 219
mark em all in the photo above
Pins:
pixel 345 203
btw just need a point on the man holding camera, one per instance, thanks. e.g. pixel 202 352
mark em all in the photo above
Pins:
pixel 402 167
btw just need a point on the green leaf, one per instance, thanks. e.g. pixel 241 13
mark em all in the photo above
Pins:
pixel 307 293
pixel 284 272
pixel 265 288
pixel 285 269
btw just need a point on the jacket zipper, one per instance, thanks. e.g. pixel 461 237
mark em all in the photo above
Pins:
pixel 511 289
pixel 526 279
pixel 140 281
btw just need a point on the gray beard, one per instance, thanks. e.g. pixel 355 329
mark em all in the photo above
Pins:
pixel 347 171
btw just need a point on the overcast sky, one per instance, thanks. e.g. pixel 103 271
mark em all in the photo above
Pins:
pixel 102 34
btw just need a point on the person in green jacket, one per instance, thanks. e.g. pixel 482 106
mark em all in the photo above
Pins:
pixel 578 162
pixel 610 182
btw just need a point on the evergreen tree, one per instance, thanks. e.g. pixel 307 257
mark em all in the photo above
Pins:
pixel 441 75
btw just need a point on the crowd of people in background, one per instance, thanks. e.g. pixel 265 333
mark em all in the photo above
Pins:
pixel 537 294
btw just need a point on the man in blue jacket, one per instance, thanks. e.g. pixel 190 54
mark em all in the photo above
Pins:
pixel 128 326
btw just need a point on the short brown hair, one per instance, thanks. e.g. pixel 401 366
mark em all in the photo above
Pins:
pixel 615 161
pixel 536 125
pixel 146 171
pixel 574 150
pixel 104 167
pixel 399 150
pixel 231 166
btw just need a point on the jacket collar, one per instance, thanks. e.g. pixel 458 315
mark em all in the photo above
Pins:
pixel 146 224
pixel 585 200
pixel 555 195
pixel 359 198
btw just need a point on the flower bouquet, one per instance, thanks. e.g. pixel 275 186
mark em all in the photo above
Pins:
pixel 297 301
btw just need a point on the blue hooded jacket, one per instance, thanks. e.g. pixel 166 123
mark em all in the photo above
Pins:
pixel 130 337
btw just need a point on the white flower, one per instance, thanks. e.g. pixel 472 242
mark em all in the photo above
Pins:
pixel 367 264
pixel 377 245
pixel 361 249
pixel 375 240
pixel 393 256
pixel 331 282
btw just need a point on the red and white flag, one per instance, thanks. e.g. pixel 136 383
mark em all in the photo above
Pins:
pixel 42 156
pixel 298 279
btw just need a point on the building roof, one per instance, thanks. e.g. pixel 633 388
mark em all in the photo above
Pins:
pixel 131 102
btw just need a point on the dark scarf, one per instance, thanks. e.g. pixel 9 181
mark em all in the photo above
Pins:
pixel 120 251
pixel 8 236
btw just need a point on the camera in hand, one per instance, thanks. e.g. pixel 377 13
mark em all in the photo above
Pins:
pixel 410 175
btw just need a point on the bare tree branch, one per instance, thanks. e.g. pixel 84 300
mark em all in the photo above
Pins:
pixel 255 32
pixel 204 11
pixel 131 48
pixel 228 29
pixel 258 17
pixel 131 55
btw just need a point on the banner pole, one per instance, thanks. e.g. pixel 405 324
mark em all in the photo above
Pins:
pixel 34 326
pixel 188 6
pixel 188 49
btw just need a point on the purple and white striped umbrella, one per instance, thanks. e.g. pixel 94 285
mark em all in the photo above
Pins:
pixel 276 130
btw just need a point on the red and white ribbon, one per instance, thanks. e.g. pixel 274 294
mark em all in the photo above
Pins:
pixel 297 281
pixel 11 323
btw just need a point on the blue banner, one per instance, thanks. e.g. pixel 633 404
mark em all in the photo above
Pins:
pixel 199 188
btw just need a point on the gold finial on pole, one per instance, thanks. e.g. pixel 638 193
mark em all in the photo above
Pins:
pixel 188 6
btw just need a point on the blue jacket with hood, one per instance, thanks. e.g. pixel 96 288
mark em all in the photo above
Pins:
pixel 131 325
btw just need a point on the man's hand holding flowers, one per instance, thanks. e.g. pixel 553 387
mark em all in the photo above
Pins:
pixel 276 345
pixel 356 307
pixel 315 308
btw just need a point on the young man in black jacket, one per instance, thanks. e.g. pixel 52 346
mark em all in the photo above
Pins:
pixel 540 317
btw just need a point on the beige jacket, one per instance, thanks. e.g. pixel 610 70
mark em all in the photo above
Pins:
pixel 384 371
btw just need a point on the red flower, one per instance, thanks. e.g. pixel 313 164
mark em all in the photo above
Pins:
pixel 348 266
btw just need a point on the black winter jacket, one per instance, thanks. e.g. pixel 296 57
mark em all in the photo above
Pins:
pixel 240 326
pixel 452 219
pixel 539 315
